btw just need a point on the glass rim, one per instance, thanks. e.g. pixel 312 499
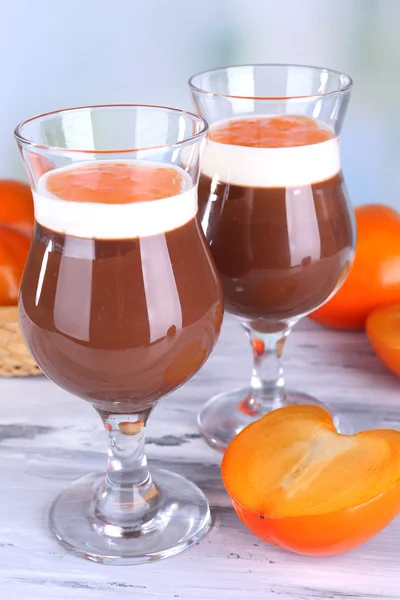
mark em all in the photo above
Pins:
pixel 24 141
pixel 342 89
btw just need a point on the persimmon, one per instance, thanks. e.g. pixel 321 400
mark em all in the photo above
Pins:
pixel 374 278
pixel 383 331
pixel 16 205
pixel 297 483
pixel 14 248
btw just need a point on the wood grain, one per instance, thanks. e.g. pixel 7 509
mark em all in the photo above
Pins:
pixel 48 438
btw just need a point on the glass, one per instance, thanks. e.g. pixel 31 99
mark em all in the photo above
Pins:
pixel 120 304
pixel 275 212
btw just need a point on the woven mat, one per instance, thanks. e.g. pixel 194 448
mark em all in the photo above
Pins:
pixel 15 360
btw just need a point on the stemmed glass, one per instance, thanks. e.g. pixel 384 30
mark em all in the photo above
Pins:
pixel 275 212
pixel 120 304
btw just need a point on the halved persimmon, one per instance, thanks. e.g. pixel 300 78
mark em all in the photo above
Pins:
pixel 383 331
pixel 295 482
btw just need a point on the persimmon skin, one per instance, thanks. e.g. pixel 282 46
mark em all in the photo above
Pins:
pixel 374 277
pixel 383 331
pixel 325 534
pixel 298 484
pixel 14 248
pixel 16 205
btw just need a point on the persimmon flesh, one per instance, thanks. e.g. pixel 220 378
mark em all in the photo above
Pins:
pixel 297 483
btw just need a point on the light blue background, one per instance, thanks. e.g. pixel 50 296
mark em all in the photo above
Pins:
pixel 59 53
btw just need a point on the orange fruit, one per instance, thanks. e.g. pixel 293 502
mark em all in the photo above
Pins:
pixel 374 277
pixel 383 331
pixel 295 482
pixel 14 248
pixel 16 205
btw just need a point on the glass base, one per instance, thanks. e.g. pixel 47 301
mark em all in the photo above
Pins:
pixel 181 519
pixel 223 417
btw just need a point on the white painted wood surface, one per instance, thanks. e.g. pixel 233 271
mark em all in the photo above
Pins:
pixel 48 438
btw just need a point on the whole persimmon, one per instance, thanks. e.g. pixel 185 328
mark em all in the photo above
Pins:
pixel 16 205
pixel 296 483
pixel 383 331
pixel 14 248
pixel 374 278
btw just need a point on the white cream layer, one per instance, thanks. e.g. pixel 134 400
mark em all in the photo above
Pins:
pixel 115 221
pixel 271 167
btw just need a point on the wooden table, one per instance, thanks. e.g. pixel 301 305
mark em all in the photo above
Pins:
pixel 48 438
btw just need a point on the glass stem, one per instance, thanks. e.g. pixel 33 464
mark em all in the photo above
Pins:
pixel 127 496
pixel 267 387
